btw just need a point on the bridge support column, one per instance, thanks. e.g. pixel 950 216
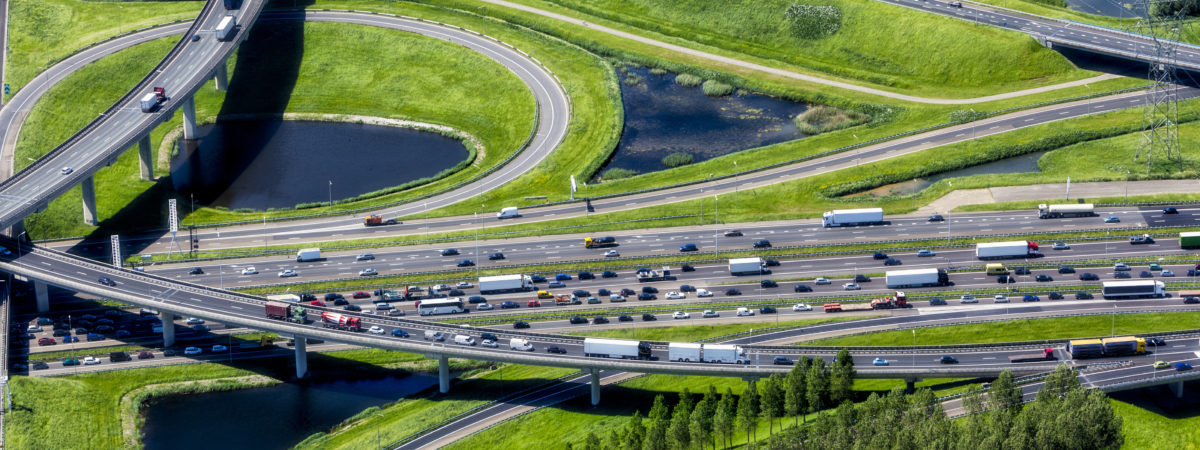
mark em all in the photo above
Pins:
pixel 42 293
pixel 146 164
pixel 1177 389
pixel 221 77
pixel 17 231
pixel 189 117
pixel 168 327
pixel 910 385
pixel 443 374
pixel 301 356
pixel 595 387
pixel 88 186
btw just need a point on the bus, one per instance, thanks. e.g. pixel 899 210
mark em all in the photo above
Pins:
pixel 1134 289
pixel 441 306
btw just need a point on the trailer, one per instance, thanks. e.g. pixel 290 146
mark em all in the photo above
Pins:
pixel 917 278
pixel 747 266
pixel 852 217
pixel 225 28
pixel 1189 239
pixel 1010 249
pixel 645 275
pixel 842 307
pixel 1072 210
pixel 340 321
pixel 683 351
pixel 1106 347
pixel 499 284
pixel 1134 289
pixel 1044 355
pixel 286 311
pixel 723 354
pixel 616 348
pixel 152 100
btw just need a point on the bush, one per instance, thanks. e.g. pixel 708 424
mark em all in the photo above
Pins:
pixel 813 21
pixel 821 118
pixel 658 71
pixel 617 173
pixel 688 80
pixel 714 88
pixel 1054 3
pixel 967 115
pixel 678 159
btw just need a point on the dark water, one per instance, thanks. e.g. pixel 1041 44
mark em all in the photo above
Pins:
pixel 1019 164
pixel 275 417
pixel 1111 8
pixel 662 117
pixel 277 164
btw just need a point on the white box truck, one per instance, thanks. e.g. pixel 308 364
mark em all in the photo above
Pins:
pixel 1073 210
pixel 615 348
pixel 508 213
pixel 683 351
pixel 853 217
pixel 225 28
pixel 917 278
pixel 520 345
pixel 747 266
pixel 308 254
pixel 1011 249
pixel 724 354
pixel 1134 289
pixel 505 283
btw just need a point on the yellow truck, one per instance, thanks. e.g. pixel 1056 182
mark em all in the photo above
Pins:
pixel 599 242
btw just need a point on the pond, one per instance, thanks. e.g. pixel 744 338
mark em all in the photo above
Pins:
pixel 274 417
pixel 1110 8
pixel 262 164
pixel 1017 164
pixel 663 117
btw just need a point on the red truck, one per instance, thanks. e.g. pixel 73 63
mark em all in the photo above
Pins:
pixel 339 321
pixel 286 311
pixel 1044 355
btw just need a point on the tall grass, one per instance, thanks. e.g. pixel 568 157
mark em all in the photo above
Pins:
pixel 688 80
pixel 822 118
pixel 714 88
pixel 678 159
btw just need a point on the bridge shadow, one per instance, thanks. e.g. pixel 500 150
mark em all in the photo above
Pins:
pixel 1119 66
pixel 1160 400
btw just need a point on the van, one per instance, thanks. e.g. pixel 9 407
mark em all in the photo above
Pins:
pixel 435 335
pixel 745 312
pixel 508 213
pixel 119 357
pixel 520 345
pixel 463 339
pixel 996 269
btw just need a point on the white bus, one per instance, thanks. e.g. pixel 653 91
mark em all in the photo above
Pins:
pixel 435 306
pixel 1134 289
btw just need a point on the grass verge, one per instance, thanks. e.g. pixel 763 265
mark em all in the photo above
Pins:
pixel 693 333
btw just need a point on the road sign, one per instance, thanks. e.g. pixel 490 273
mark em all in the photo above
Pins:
pixel 5 88
pixel 115 242
pixel 172 216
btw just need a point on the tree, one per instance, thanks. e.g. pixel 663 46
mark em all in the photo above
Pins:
pixel 656 432
pixel 841 378
pixel 772 400
pixel 1004 393
pixel 592 442
pixel 746 414
pixel 679 432
pixel 635 432
pixel 701 423
pixel 794 402
pixel 724 417
pixel 817 387
pixel 1060 382
pixel 614 439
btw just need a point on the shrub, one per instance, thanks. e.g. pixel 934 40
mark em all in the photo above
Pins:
pixel 658 71
pixel 967 115
pixel 617 173
pixel 822 118
pixel 678 159
pixel 813 21
pixel 714 88
pixel 689 80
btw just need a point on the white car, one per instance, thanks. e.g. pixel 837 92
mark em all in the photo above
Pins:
pixel 65 171
pixel 464 285
pixel 710 313
pixel 968 298
pixel 364 257
pixel 851 286
pixel 194 321
pixel 485 307
pixel 673 295
pixel 612 253
pixel 489 343
pixel 801 307
pixel 368 311
pixel 999 299
pixel 1167 273
pixel 192 351
pixel 703 293
pixel 249 271
pixel 367 272
pixel 91 360
pixel 219 348
pixel 285 273
pixel 33 329
pixel 681 315
pixel 375 329
pixel 383 306
pixel 440 287
pixel 822 280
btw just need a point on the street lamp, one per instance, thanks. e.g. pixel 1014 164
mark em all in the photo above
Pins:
pixel 716 224
pixel 331 194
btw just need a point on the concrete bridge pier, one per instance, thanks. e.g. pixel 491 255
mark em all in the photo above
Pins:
pixel 88 186
pixel 221 77
pixel 168 327
pixel 1177 389
pixel 17 231
pixel 301 356
pixel 42 293
pixel 595 386
pixel 147 164
pixel 443 374
pixel 189 117
pixel 910 385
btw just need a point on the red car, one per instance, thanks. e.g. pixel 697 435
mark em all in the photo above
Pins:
pixel 361 294
pixel 145 355
pixel 317 303
pixel 47 341
pixel 533 304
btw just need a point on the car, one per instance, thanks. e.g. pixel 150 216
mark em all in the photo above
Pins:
pixel 440 287
pixel 1112 219
pixel 200 327
pixel 1054 296
pixel 822 280
pixel 70 362
pixel 616 298
pixel 708 314
pixel 66 170
pixel 762 243
pixel 1146 274
pixel 1061 246
pixel 851 287
pixel 611 254
pixel 801 307
pixel 219 348
pixel 880 256
pixel 625 318
pixel 123 333
pixel 40 366
pixel 650 289
pixel 1161 365
pixel 537 278
pixel 599 320
pixel 466 263
pixel 450 252
pixel 767 310
pixel 456 292
pixel 687 288
pixel 317 303
pixel 576 320
pixel 368 272
pixel 361 294
pixel 104 329
pixel 649 317
pixel 476 299
pixel 1157 342
pixel 194 321
pixel 1043 278
pixel 562 277
pixel 1005 279
pixel 192 351
pixel 733 233
pixel 936 301
pixel 768 284
pixel 196 271
pixel 968 298
pixel 1155 267
pixel 1084 296
pixel 170 352
pixel 496 256
pixel 557 284
pixel 396 332
pixel 375 329
pixel 608 274
pixel 892 262
pixel 106 281
pixel 1182 366
pixel 145 355
pixel 1066 269
pixel 802 288
pixel 681 315
pixel 340 301
pixel 1088 276
pixel 69 339
pixel 1167 273
pixel 782 361
pixel 733 291
pixel 1170 210
pixel 673 295
pixel 645 296
pixel 703 293
pixel 880 362
pixel 79 331
pixel 1122 275
pixel 489 343
pixel 47 341
pixel 196 37
pixel 1139 240
pixel 520 324
pixel 628 291
pixel 688 248
pixel 860 278
pixel 586 276
pixel 687 268
pixel 60 333
pixel 533 304
pixel 1191 300
pixel 287 273
pixel 484 307
pixel 556 349
pixel 1193 272
pixel 364 257
pixel 771 262
pixel 1021 271
pixel 33 329
pixel 1031 298
pixel 1000 299
pixel 925 253
pixel 249 271
pixel 354 308
pixel 936 218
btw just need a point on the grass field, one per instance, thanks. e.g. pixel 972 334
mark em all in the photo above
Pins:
pixel 693 333
pixel 1147 426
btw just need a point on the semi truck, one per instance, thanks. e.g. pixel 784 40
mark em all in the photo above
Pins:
pixel 1096 348
pixel 599 242
pixel 286 311
pixel 505 283
pixel 308 254
pixel 852 217
pixel 340 321
pixel 1134 289
pixel 225 28
pixel 1046 354
pixel 898 301
pixel 645 275
pixel 684 351
pixel 616 348
pixel 152 100
pixel 1075 210
pixel 1189 239
pixel 747 266
pixel 723 354
pixel 377 220
pixel 1010 249
pixel 917 278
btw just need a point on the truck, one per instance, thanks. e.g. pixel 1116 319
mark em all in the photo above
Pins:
pixel 599 242
pixel 1116 346
pixel 645 275
pixel 1073 210
pixel 508 213
pixel 747 266
pixel 521 345
pixel 286 311
pixel 152 100
pixel 340 321
pixel 852 217
pixel 616 348
pixel 414 293
pixel 898 301
pixel 387 295
pixel 225 28
pixel 1133 289
pixel 683 351
pixel 233 4
pixel 1010 249
pixel 287 298
pixel 1189 239
pixel 917 278
pixel 375 220
pixel 308 254
pixel 565 300
pixel 1046 354
pixel 499 284
pixel 723 354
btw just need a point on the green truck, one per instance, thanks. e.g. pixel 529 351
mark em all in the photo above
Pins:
pixel 1189 239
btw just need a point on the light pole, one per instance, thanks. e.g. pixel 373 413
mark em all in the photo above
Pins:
pixel 857 151
pixel 477 260
pixel 264 233
pixel 377 443
pixel 19 242
pixel 331 194
pixel 716 224
pixel 914 348
pixel 120 20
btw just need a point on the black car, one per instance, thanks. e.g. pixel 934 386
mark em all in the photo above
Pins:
pixel 307 297
pixel 40 366
pixel 650 289
pixel 762 243
pixel 520 324
pixel 333 296
pixel 767 310
pixel 645 296
pixel 734 233
pixel 1021 271
pixel 892 262
pixel 1157 342
pixel 537 278
pixel 581 293
pixel 688 268
pixel 509 304
pixel 880 255
pixel 1191 300
pixel 466 263
pixel 456 293
pixel 106 281
pixel 196 271
pixel 947 359
pixel 936 218
pixel 733 291
pixel 1084 296
pixel 861 278
pixel 937 302
pixel 495 256
pixel 476 299
pixel 1122 275
pixel 628 292
pixel 1088 276
pixel 783 361
pixel 488 336
pixel 576 320
pixel 1003 279
pixel 768 284
pixel 1146 274
pixel 1066 269
pixel 1044 278
pixel 648 317
pixel 1170 210
pixel 586 276
pixel 1193 272
pixel 1054 296
pixel 170 352
pixel 802 288
pixel 598 320
pixel 450 252
pixel 771 262
pixel 625 318
pixel 340 301
pixel 556 349
pixel 352 308
pixel 687 288
pixel 608 274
